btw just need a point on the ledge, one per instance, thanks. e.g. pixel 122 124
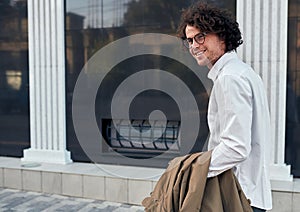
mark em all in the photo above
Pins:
pixel 286 186
pixel 125 184
pixel 103 170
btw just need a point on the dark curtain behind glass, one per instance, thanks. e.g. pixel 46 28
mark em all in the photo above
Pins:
pixel 14 112
pixel 293 89
pixel 90 25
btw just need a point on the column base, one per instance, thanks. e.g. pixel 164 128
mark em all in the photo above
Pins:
pixel 46 156
pixel 281 172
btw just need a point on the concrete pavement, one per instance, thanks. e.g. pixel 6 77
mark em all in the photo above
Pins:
pixel 23 201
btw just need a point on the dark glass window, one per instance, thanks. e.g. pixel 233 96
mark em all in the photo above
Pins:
pixel 91 25
pixel 139 145
pixel 293 89
pixel 14 112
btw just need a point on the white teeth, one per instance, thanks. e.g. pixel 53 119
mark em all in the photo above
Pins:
pixel 199 53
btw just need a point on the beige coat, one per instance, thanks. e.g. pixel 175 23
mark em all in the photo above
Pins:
pixel 185 187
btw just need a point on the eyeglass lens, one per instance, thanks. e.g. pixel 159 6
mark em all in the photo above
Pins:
pixel 199 38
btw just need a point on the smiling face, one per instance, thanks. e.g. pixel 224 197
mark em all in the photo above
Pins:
pixel 210 51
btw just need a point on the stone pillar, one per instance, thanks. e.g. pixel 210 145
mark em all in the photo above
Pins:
pixel 46 34
pixel 264 29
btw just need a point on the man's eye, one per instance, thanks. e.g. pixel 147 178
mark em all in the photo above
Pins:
pixel 199 37
pixel 190 41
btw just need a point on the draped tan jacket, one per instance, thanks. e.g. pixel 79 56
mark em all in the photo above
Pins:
pixel 184 187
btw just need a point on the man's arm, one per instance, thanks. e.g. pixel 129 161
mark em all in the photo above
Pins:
pixel 234 100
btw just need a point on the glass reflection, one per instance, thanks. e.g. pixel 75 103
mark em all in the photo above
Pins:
pixel 292 137
pixel 92 24
pixel 14 113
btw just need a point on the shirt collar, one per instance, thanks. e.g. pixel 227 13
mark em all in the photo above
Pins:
pixel 217 67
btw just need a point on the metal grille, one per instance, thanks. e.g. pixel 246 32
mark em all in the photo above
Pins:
pixel 139 137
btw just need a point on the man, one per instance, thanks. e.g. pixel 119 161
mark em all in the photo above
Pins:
pixel 238 115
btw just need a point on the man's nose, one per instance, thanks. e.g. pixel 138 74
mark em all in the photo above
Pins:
pixel 195 44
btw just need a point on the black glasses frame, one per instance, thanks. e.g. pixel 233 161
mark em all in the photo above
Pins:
pixel 199 38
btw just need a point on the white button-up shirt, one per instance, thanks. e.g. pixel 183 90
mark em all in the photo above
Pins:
pixel 239 123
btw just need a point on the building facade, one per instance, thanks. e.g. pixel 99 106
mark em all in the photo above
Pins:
pixel 50 47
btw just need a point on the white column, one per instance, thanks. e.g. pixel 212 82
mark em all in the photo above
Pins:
pixel 47 82
pixel 264 29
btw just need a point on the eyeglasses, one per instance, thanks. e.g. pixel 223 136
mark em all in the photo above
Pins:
pixel 199 38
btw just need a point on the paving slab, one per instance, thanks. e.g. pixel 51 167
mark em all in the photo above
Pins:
pixel 16 200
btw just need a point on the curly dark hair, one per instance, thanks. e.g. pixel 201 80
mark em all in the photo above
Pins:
pixel 210 19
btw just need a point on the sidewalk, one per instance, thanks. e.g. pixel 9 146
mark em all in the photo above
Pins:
pixel 21 201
